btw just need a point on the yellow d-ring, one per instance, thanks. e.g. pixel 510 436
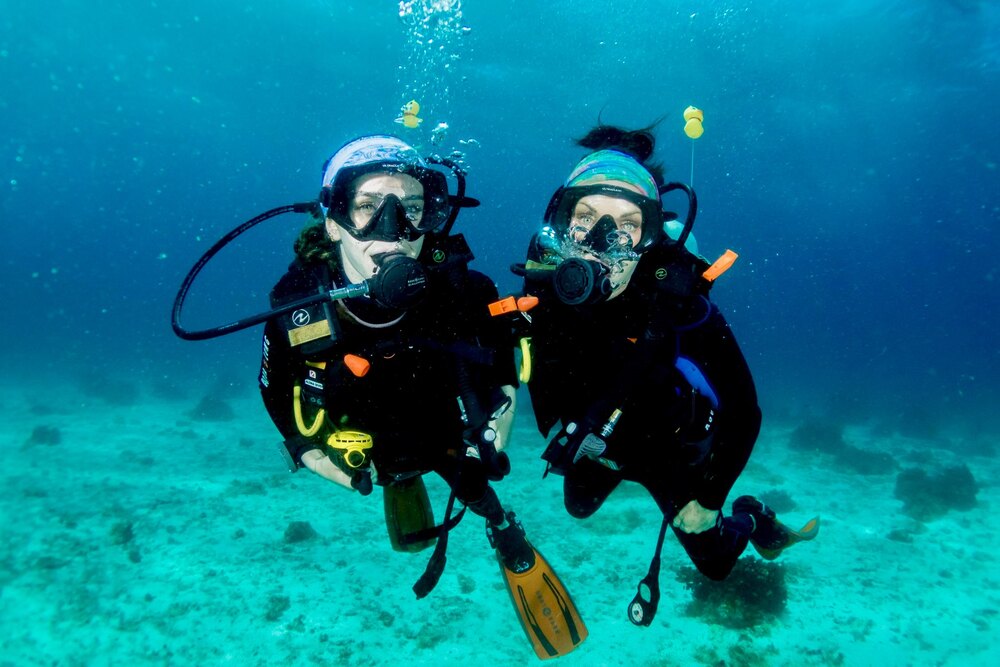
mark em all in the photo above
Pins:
pixel 524 375
pixel 299 423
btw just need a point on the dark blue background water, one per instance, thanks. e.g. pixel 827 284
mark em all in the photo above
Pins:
pixel 850 155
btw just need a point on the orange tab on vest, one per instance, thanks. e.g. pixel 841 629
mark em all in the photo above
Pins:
pixel 359 366
pixel 720 266
pixel 527 303
pixel 506 305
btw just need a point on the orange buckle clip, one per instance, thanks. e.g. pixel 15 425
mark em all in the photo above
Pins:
pixel 511 305
pixel 503 306
pixel 359 366
pixel 720 266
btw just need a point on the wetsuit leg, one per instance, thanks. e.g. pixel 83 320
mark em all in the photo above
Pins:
pixel 715 551
pixel 586 486
pixel 467 478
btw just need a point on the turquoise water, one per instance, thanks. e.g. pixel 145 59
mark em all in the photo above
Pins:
pixel 850 156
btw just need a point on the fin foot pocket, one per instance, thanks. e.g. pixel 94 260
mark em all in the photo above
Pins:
pixel 511 545
pixel 770 537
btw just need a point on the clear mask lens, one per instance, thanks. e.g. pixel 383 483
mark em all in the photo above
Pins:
pixel 359 212
pixel 619 251
pixel 365 208
pixel 638 229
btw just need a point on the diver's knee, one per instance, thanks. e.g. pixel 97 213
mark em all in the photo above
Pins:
pixel 581 509
pixel 715 570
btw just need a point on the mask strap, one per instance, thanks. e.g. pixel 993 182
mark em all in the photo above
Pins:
pixel 458 200
pixel 692 209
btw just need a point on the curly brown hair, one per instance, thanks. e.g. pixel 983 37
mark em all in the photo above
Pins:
pixel 314 245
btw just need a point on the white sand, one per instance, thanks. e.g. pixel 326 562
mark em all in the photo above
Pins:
pixel 148 538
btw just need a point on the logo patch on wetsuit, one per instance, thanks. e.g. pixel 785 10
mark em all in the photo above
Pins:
pixel 309 332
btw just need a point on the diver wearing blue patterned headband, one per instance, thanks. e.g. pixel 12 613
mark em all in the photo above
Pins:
pixel 613 165
pixel 635 369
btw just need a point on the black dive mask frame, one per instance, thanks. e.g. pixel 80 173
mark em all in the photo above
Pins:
pixel 564 200
pixel 560 210
pixel 389 222
pixel 403 273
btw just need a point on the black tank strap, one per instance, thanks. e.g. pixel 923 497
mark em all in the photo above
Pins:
pixel 434 531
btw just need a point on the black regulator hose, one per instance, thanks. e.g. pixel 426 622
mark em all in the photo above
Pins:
pixel 400 283
pixel 247 322
pixel 539 275
pixel 477 432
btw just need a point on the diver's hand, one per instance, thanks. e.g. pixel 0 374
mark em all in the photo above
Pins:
pixel 317 461
pixel 502 419
pixel 481 445
pixel 562 450
pixel 693 518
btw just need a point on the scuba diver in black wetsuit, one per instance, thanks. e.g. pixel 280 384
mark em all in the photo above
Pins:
pixel 410 374
pixel 639 368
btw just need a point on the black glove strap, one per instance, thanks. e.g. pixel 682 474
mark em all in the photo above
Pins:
pixel 435 566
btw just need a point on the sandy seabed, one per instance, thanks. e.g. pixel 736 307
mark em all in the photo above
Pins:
pixel 142 535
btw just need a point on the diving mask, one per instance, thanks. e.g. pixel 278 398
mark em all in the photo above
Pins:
pixel 352 446
pixel 388 218
pixel 563 215
pixel 392 219
pixel 606 239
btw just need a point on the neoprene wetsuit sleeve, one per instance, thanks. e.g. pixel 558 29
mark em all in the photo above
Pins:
pixel 713 346
pixel 277 380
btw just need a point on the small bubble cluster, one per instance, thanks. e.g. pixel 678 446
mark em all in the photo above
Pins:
pixel 434 39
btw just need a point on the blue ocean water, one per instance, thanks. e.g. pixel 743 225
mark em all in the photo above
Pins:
pixel 851 156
